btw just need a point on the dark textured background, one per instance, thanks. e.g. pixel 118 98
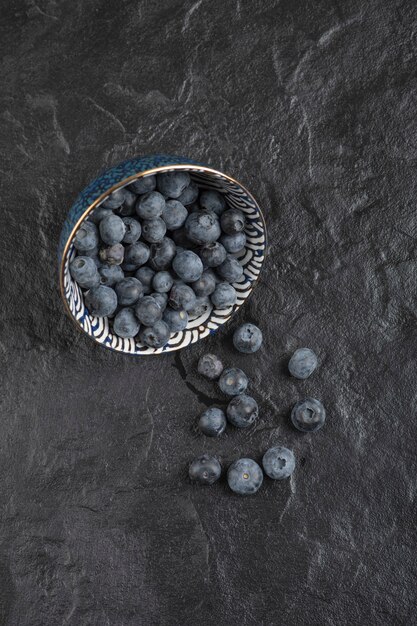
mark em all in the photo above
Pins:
pixel 313 106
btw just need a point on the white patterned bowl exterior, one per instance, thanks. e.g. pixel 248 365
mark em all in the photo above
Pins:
pixel 252 257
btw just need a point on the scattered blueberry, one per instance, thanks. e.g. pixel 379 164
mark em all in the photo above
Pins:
pixel 247 338
pixel 153 230
pixel 232 221
pixel 162 281
pixel 148 311
pixel 223 296
pixel 113 255
pixel 244 477
pixel 308 415
pixel 136 255
pixel 174 214
pixel 205 470
pixel 233 381
pixel 150 205
pixel 176 320
pixel 114 200
pixel 112 229
pixel 162 253
pixel 86 237
pixel 181 297
pixel 202 227
pixel 84 271
pixel 128 290
pixel 190 194
pixel 212 254
pixel 242 411
pixel 133 230
pixel 188 266
pixel 101 301
pixel 145 275
pixel 125 324
pixel 212 422
pixel 278 462
pixel 143 184
pixel 233 243
pixel 212 201
pixel 205 285
pixel 155 336
pixel 230 270
pixel 210 366
pixel 110 274
pixel 302 363
pixel 172 184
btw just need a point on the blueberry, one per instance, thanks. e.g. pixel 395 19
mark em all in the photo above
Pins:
pixel 133 230
pixel 201 306
pixel 162 281
pixel 161 298
pixel 113 255
pixel 210 366
pixel 212 201
pixel 128 290
pixel 143 184
pixel 153 230
pixel 212 422
pixel 205 285
pixel 155 336
pixel 278 462
pixel 86 238
pixel 244 477
pixel 233 381
pixel 231 270
pixel 212 254
pixel 223 296
pixel 145 275
pixel 180 238
pixel 188 266
pixel 233 243
pixel 112 229
pixel 232 221
pixel 84 271
pixel 114 200
pixel 205 470
pixel 148 311
pixel 176 320
pixel 247 338
pixel 136 255
pixel 172 184
pixel 242 411
pixel 162 253
pixel 101 301
pixel 110 274
pixel 128 207
pixel 99 213
pixel 150 205
pixel 308 415
pixel 125 324
pixel 174 214
pixel 302 363
pixel 181 297
pixel 190 194
pixel 202 227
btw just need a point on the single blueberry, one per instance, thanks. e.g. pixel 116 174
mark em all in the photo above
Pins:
pixel 188 266
pixel 233 243
pixel 210 366
pixel 161 298
pixel 114 200
pixel 181 297
pixel 172 184
pixel 190 194
pixel 212 422
pixel 202 306
pixel 153 230
pixel 230 270
pixel 176 320
pixel 86 238
pixel 202 227
pixel 224 296
pixel 232 221
pixel 112 229
pixel 143 184
pixel 110 274
pixel 145 275
pixel 242 411
pixel 155 336
pixel 180 238
pixel 136 255
pixel 150 205
pixel 84 271
pixel 162 281
pixel 308 415
pixel 148 311
pixel 205 285
pixel 113 255
pixel 233 381
pixel 302 363
pixel 244 477
pixel 128 207
pixel 125 324
pixel 101 301
pixel 247 338
pixel 133 230
pixel 278 462
pixel 98 214
pixel 212 201
pixel 205 470
pixel 162 253
pixel 174 214
pixel 212 254
pixel 128 290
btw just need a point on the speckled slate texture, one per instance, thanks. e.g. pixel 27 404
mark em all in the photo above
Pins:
pixel 313 106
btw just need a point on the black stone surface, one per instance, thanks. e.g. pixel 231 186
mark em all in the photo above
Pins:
pixel 312 105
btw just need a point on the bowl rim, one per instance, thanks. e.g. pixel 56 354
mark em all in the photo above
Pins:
pixel 123 183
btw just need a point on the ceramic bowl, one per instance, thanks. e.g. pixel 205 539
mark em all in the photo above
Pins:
pixel 124 174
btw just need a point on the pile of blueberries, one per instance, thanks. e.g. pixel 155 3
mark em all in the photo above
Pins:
pixel 158 253
pixel 245 476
